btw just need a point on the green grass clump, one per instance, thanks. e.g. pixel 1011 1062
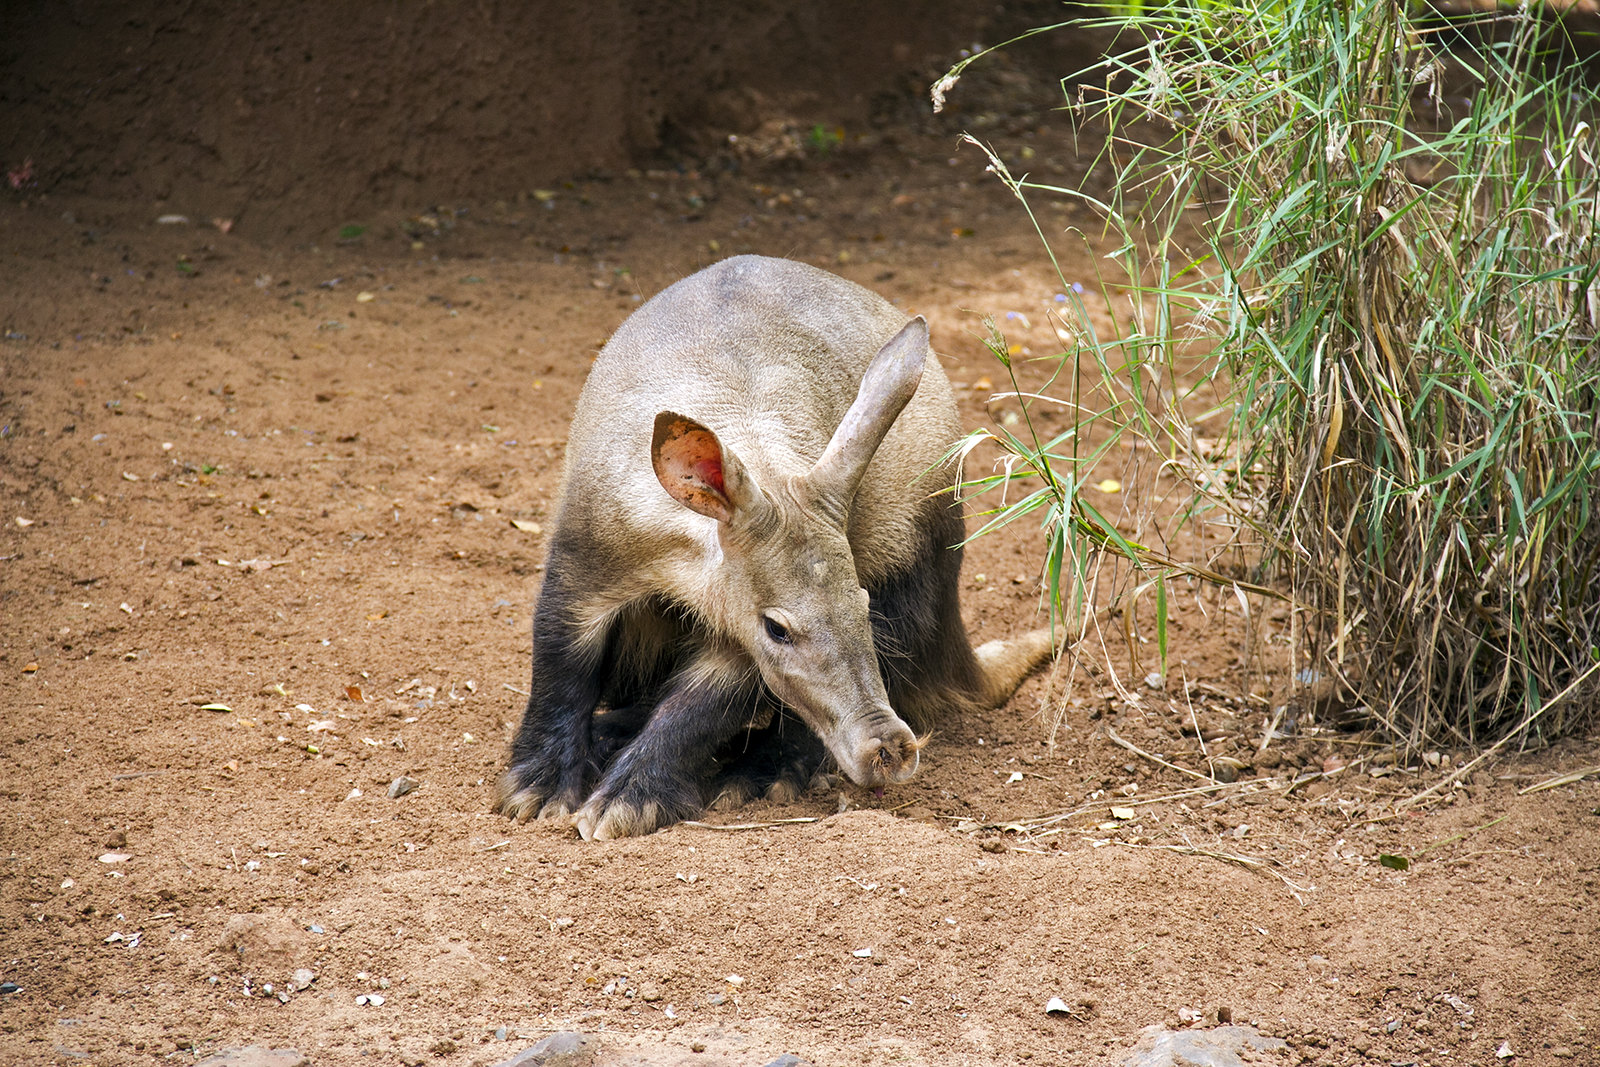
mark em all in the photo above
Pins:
pixel 1384 228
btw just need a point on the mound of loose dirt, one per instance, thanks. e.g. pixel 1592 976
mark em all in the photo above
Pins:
pixel 305 113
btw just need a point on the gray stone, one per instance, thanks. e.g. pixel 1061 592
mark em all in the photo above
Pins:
pixel 255 1056
pixel 401 786
pixel 1220 1047
pixel 789 1059
pixel 565 1048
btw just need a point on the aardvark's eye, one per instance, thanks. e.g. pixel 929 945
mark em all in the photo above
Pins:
pixel 776 630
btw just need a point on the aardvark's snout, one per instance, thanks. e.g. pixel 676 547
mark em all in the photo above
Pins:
pixel 882 753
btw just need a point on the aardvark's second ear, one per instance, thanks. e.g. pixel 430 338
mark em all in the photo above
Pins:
pixel 886 388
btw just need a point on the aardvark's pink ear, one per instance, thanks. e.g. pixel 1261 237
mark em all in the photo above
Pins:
pixel 690 463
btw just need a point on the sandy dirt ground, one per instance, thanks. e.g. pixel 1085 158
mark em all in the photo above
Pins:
pixel 273 521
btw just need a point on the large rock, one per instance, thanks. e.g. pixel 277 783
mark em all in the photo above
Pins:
pixel 566 1048
pixel 1160 1047
pixel 255 1056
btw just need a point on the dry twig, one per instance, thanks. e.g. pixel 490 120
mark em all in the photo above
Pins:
pixel 1562 779
pixel 1137 751
pixel 747 825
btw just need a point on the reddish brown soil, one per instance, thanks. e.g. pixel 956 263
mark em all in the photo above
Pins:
pixel 258 560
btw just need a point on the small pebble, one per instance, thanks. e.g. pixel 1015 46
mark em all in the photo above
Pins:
pixel 1225 770
pixel 301 979
pixel 7 988
pixel 697 1046
pixel 401 786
